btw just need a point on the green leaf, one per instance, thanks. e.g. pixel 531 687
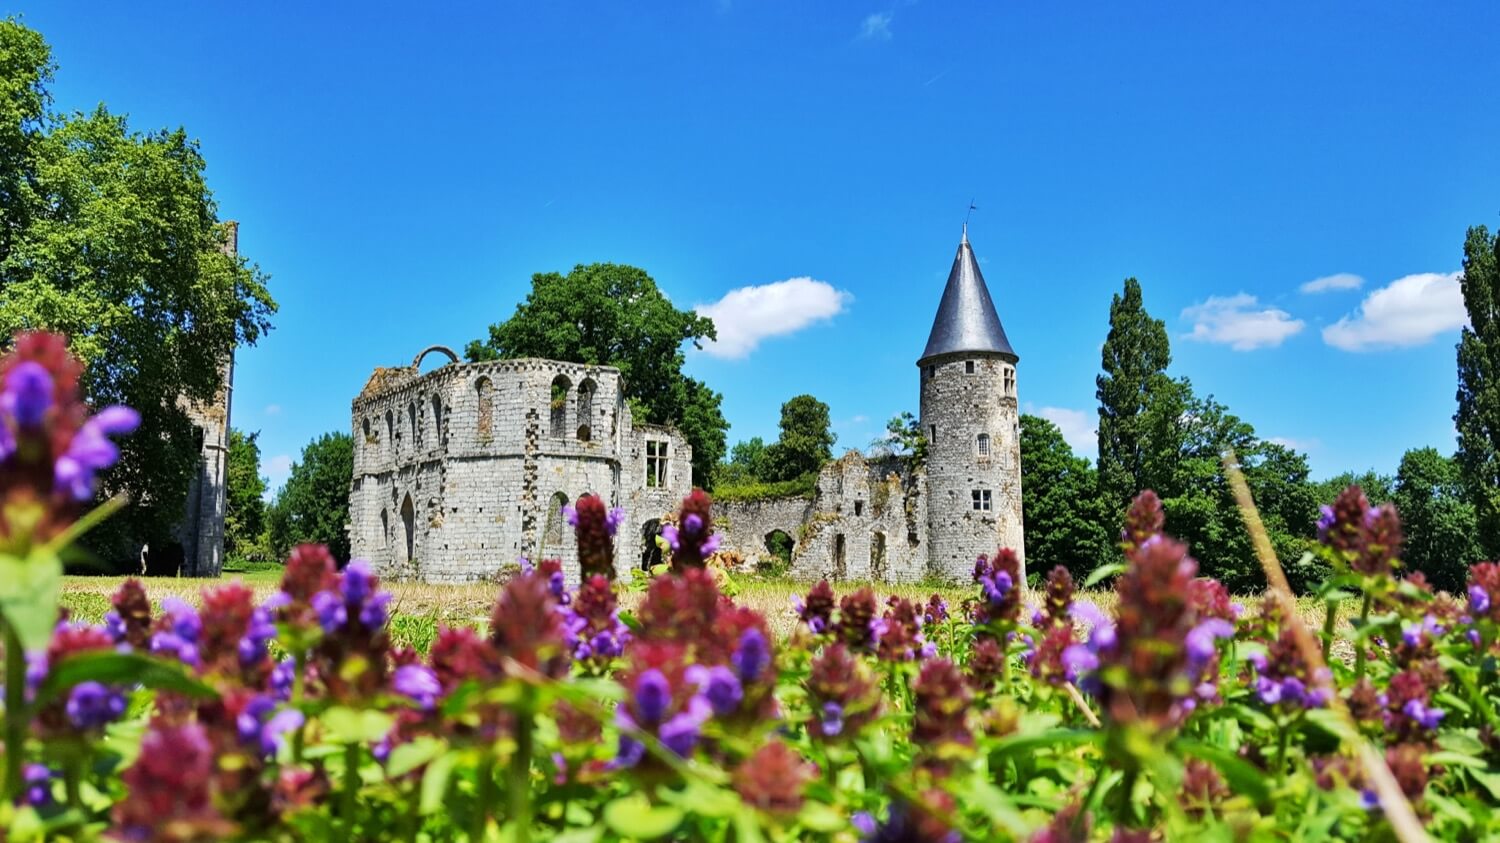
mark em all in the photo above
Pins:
pixel 435 783
pixel 1103 572
pixel 1242 776
pixel 1488 780
pixel 579 835
pixel 114 668
pixel 635 817
pixel 1055 739
pixel 355 725
pixel 1332 723
pixel 1454 759
pixel 413 754
pixel 28 595
pixel 998 807
pixel 817 816
pixel 1460 742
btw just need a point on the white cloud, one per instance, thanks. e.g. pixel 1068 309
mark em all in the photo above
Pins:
pixel 877 26
pixel 1079 427
pixel 278 469
pixel 273 409
pixel 748 315
pixel 1338 281
pixel 1408 311
pixel 1240 322
pixel 1303 445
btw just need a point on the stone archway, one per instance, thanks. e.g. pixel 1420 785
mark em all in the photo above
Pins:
pixel 409 527
pixel 780 546
pixel 650 551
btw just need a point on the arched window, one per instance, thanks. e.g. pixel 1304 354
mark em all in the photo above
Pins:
pixel 650 550
pixel 560 387
pixel 486 392
pixel 385 529
pixel 585 410
pixel 367 429
pixel 409 525
pixel 983 444
pixel 552 537
pixel 390 433
pixel 411 413
pixel 437 421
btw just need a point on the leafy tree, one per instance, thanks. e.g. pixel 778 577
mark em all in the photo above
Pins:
pixel 1441 525
pixel 747 463
pixel 806 442
pixel 1066 520
pixel 1378 487
pixel 112 237
pixel 313 506
pixel 904 437
pixel 245 508
pixel 614 315
pixel 1134 358
pixel 1478 416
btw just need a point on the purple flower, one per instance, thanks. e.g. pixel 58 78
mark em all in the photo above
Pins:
pixel 614 519
pixel 185 620
pixel 283 677
pixel 91 451
pixel 172 644
pixel 570 514
pixel 261 630
pixel 38 781
pixel 692 523
pixel 1080 661
pixel 864 823
pixel 333 614
pixel 1326 519
pixel 719 686
pixel 1200 640
pixel 418 683
pixel 833 719
pixel 559 587
pixel 1479 600
pixel 373 614
pixel 710 545
pixel 114 625
pixel 652 696
pixel 1426 715
pixel 1268 689
pixel 91 705
pixel 356 583
pixel 680 734
pixel 629 753
pixel 28 393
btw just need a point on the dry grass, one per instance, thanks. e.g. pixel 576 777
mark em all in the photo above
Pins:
pixel 418 608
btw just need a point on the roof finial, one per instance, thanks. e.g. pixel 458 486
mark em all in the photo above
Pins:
pixel 972 209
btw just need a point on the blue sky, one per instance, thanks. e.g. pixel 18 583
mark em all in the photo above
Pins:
pixel 401 171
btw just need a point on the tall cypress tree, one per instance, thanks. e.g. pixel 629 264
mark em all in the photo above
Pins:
pixel 1135 358
pixel 1478 416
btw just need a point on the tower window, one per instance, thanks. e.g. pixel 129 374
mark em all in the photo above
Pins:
pixel 981 498
pixel 656 463
pixel 968 367
pixel 929 371
pixel 1010 381
pixel 984 445
pixel 859 508
pixel 931 433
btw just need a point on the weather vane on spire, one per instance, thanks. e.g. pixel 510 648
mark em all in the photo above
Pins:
pixel 972 209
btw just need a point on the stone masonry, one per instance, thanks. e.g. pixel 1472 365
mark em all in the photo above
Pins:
pixel 461 471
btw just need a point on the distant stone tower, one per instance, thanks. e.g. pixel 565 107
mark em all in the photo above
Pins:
pixel 970 417
pixel 202 530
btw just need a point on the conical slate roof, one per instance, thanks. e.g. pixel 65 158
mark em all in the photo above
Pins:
pixel 966 319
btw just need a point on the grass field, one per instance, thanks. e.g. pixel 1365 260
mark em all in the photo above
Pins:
pixel 417 609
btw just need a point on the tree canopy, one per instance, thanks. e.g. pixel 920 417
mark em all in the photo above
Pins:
pixel 1478 415
pixel 806 440
pixel 112 237
pixel 313 506
pixel 1065 518
pixel 1134 359
pixel 244 507
pixel 614 315
pixel 1439 520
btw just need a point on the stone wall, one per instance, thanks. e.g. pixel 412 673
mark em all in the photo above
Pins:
pixel 460 472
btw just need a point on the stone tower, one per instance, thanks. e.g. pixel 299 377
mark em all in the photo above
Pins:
pixel 970 417
pixel 202 530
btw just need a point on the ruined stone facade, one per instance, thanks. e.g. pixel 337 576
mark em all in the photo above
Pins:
pixel 887 520
pixel 201 532
pixel 461 471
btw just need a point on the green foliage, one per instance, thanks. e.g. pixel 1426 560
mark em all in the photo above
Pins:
pixel 1478 416
pixel 806 442
pixel 1442 528
pixel 798 487
pixel 313 506
pixel 614 315
pixel 245 508
pixel 1131 392
pixel 1066 520
pixel 111 236
pixel 1378 487
pixel 904 437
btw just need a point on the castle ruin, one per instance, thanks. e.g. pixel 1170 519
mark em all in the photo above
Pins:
pixel 461 470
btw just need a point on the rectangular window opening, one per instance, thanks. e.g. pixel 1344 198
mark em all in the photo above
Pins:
pixel 981 500
pixel 656 463
pixel 968 367
pixel 859 508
